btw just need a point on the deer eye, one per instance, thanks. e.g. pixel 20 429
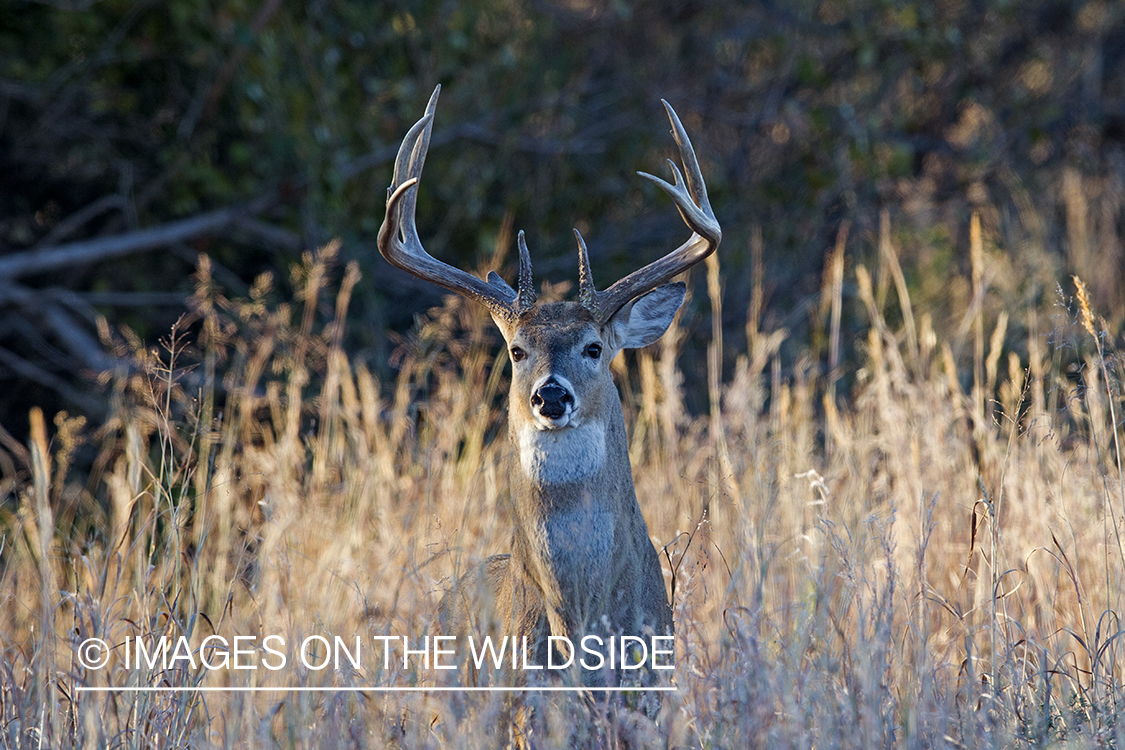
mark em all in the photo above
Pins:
pixel 593 351
pixel 518 354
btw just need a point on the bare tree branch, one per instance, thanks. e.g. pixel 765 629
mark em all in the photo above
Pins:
pixel 31 371
pixel 76 220
pixel 81 345
pixel 267 235
pixel 21 264
pixel 132 299
pixel 15 447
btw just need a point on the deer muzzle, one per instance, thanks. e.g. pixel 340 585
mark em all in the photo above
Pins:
pixel 551 400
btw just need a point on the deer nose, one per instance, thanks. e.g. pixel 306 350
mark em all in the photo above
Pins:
pixel 551 400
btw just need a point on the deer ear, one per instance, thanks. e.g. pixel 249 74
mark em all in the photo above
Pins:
pixel 645 319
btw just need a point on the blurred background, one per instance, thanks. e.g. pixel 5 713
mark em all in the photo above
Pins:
pixel 135 136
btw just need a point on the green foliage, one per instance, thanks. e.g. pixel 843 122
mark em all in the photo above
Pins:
pixel 804 115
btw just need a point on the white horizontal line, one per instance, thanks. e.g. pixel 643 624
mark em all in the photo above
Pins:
pixel 307 689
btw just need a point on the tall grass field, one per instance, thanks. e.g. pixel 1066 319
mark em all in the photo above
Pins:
pixel 922 549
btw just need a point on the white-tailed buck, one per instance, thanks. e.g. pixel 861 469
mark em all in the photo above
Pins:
pixel 581 560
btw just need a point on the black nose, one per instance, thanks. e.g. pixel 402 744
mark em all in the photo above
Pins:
pixel 551 400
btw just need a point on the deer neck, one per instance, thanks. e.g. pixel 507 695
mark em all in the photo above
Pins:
pixel 575 511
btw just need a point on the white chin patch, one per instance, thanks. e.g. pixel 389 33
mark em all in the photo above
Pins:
pixel 547 423
pixel 560 456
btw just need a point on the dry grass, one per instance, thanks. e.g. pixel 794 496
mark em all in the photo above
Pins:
pixel 934 561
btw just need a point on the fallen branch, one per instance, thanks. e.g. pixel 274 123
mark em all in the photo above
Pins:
pixel 131 299
pixel 75 221
pixel 81 345
pixel 33 372
pixel 21 264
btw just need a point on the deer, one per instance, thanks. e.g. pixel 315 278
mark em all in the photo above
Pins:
pixel 581 559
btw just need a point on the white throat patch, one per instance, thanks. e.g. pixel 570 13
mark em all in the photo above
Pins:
pixel 562 456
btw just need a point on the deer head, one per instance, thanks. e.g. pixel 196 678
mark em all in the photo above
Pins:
pixel 560 352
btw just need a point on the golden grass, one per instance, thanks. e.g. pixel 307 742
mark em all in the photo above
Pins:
pixel 934 561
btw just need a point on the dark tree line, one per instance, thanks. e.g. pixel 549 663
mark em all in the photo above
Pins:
pixel 135 135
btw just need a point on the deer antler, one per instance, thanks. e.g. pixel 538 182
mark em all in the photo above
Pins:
pixel 400 245
pixel 689 193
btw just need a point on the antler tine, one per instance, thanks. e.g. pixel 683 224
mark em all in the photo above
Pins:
pixel 525 297
pixel 400 245
pixel 689 193
pixel 587 292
